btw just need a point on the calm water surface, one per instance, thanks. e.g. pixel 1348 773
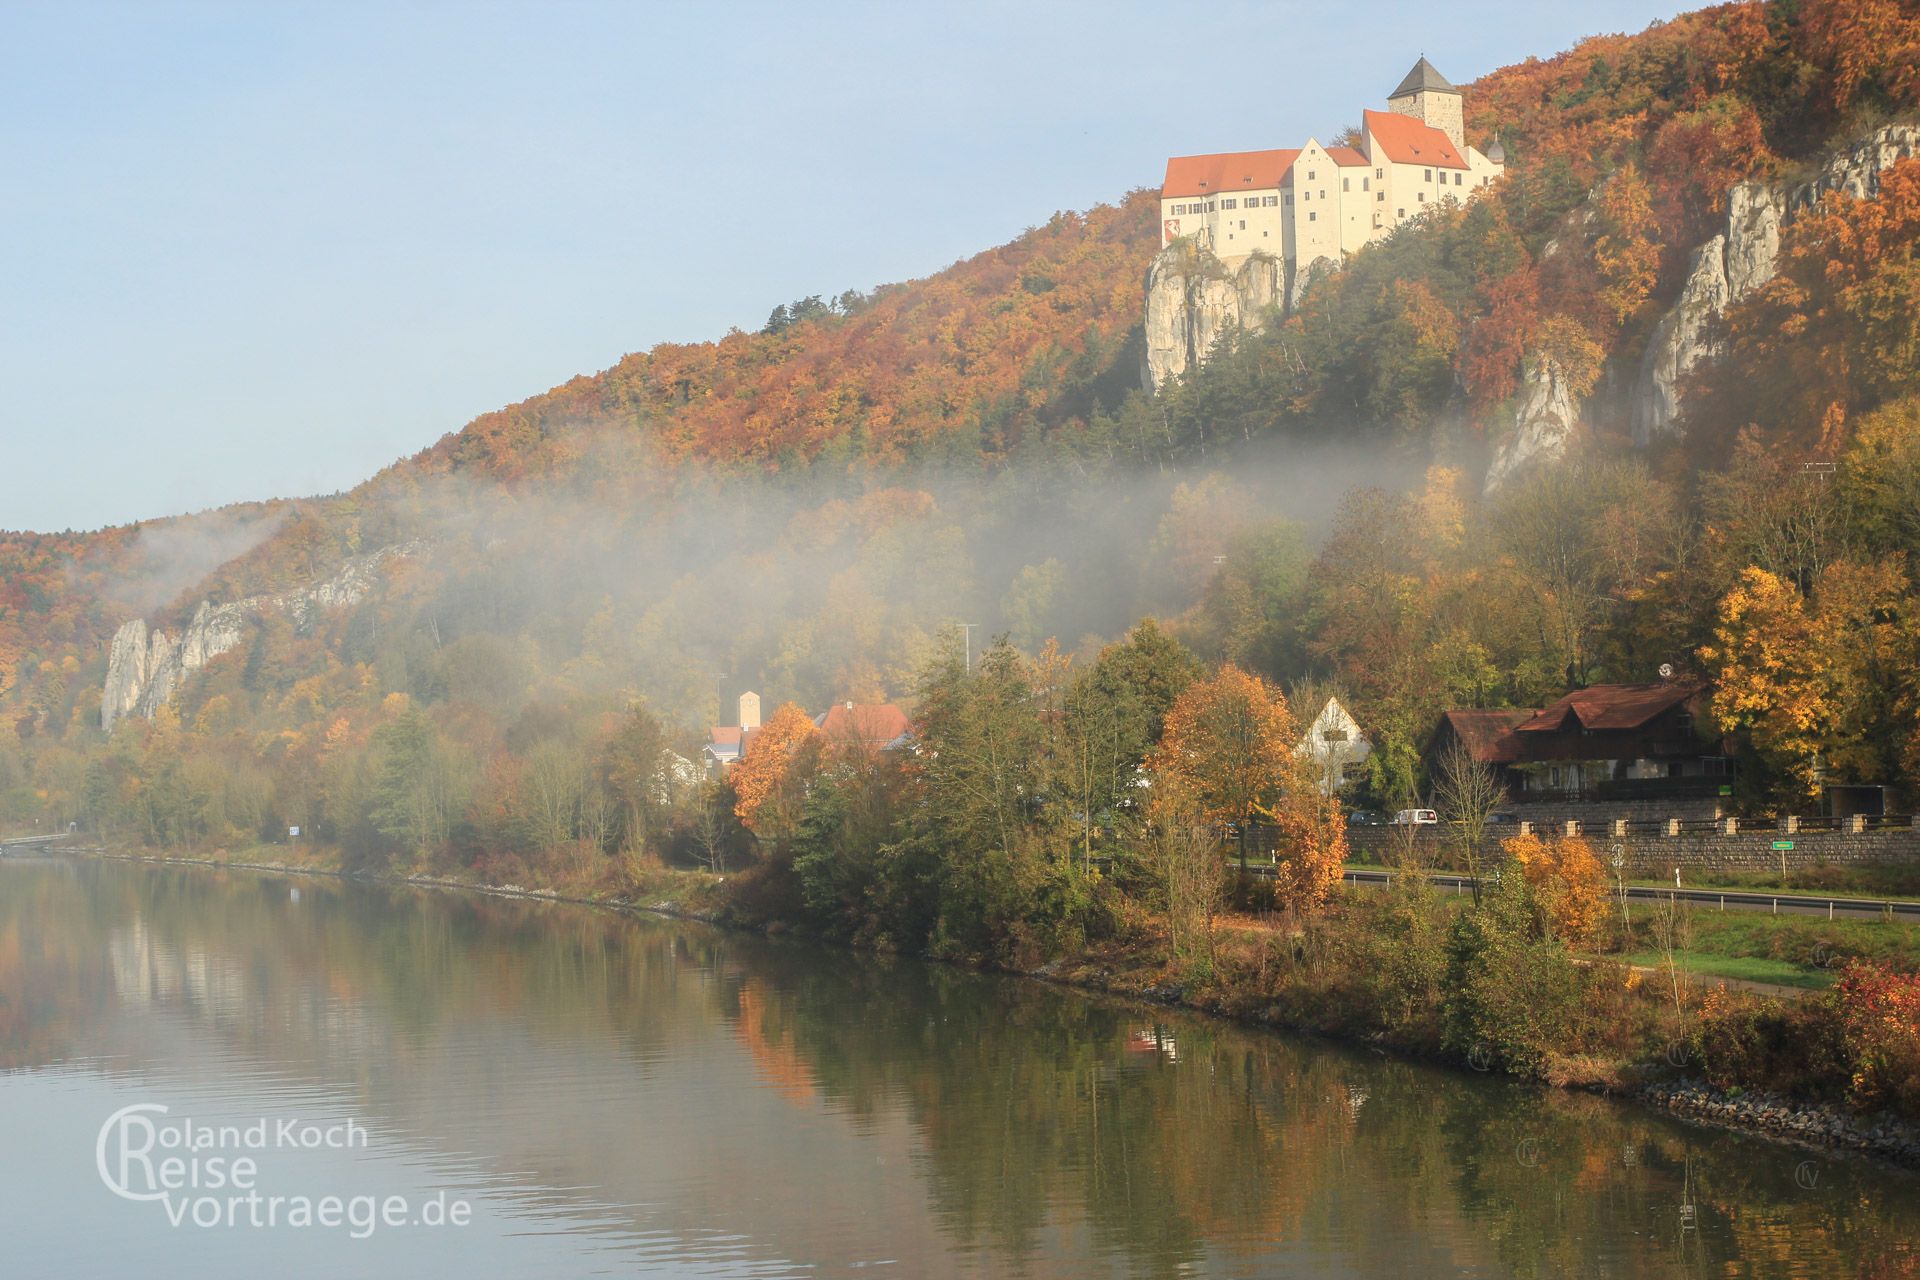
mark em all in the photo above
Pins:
pixel 614 1096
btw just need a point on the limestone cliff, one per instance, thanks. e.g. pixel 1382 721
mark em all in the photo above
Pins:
pixel 1193 297
pixel 1739 260
pixel 1545 417
pixel 146 668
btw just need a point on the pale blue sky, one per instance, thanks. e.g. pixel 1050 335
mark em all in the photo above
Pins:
pixel 255 250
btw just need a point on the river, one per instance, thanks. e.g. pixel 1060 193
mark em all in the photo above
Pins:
pixel 501 1087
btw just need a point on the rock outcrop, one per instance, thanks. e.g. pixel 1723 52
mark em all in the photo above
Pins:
pixel 146 668
pixel 1193 297
pixel 1739 260
pixel 1721 272
pixel 1546 414
pixel 1305 276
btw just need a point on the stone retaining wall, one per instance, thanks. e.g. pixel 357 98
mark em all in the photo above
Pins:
pixel 1650 855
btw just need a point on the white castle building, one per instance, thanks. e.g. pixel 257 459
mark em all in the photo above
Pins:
pixel 1312 202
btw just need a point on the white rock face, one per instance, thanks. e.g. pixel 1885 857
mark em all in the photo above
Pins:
pixel 1857 170
pixel 1545 417
pixel 126 672
pixel 1306 275
pixel 1739 260
pixel 1194 297
pixel 144 672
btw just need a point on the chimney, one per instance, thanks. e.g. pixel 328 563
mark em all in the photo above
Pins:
pixel 749 710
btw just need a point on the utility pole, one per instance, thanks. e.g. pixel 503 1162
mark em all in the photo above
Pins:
pixel 966 632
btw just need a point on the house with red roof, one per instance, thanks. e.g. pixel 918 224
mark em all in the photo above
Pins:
pixel 872 727
pixel 1604 742
pixel 1313 203
pixel 727 743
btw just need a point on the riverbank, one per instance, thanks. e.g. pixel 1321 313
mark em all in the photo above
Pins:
pixel 1134 974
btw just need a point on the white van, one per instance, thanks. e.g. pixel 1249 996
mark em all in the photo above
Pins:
pixel 1415 818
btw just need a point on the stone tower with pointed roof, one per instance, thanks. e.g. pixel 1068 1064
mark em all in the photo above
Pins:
pixel 1428 97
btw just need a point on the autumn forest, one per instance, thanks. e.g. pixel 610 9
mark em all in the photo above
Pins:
pixel 1157 584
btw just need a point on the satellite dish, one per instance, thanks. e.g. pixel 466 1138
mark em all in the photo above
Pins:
pixel 1666 671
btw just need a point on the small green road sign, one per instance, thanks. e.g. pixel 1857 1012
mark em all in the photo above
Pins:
pixel 1726 789
pixel 1783 845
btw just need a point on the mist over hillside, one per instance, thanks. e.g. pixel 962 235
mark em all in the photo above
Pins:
pixel 811 509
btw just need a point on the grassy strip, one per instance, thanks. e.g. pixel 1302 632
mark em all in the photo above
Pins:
pixel 1897 880
pixel 1704 964
pixel 1806 943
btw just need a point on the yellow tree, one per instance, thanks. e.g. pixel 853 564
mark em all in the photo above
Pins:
pixel 1770 678
pixel 1627 251
pixel 1568 882
pixel 770 781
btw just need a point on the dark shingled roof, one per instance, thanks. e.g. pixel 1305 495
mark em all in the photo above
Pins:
pixel 1488 735
pixel 1422 77
pixel 1610 706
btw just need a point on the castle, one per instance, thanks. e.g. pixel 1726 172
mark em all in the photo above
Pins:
pixel 1313 202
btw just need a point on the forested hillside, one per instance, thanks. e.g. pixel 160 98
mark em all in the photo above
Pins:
pixel 807 510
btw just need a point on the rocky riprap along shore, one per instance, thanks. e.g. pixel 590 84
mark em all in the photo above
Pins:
pixel 1885 1138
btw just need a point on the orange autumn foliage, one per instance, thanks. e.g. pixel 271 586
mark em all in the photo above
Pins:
pixel 1228 758
pixel 1567 880
pixel 769 782
pixel 1835 332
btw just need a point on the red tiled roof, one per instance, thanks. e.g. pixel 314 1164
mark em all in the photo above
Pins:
pixel 1226 171
pixel 1488 735
pixel 876 726
pixel 1408 141
pixel 1609 706
pixel 1346 157
pixel 724 736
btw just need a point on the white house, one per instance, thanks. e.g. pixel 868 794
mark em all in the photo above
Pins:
pixel 1335 746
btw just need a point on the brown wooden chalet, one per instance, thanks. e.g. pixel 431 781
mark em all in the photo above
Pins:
pixel 1606 742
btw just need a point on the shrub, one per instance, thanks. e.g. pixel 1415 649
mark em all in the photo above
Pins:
pixel 1511 992
pixel 1399 957
pixel 1750 1042
pixel 1880 1020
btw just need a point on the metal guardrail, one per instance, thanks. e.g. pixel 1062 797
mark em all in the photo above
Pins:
pixel 1554 825
pixel 1743 899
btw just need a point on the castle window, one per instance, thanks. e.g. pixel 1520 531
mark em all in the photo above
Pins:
pixel 1346 184
pixel 1421 196
pixel 1366 184
pixel 1379 173
pixel 1456 178
pixel 1229 204
pixel 1313 217
pixel 1381 197
pixel 1270 201
pixel 1243 224
pixel 1426 175
pixel 1289 197
pixel 1399 213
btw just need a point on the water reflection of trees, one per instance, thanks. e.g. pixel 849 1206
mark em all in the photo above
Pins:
pixel 1165 1140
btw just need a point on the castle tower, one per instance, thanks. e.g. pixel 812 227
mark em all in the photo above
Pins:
pixel 1427 97
pixel 749 711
